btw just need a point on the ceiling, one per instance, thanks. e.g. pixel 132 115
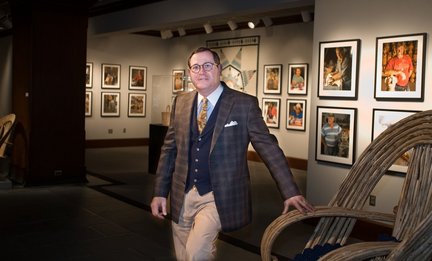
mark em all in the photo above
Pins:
pixel 193 27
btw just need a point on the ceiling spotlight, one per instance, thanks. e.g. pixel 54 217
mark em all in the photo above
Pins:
pixel 232 25
pixel 267 21
pixel 306 16
pixel 208 28
pixel 253 24
pixel 181 31
pixel 166 34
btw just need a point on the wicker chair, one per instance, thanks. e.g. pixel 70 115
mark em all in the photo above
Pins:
pixel 412 220
pixel 7 124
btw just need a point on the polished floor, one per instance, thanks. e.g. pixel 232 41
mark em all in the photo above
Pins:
pixel 108 218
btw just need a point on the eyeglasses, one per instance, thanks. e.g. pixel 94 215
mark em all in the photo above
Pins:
pixel 206 67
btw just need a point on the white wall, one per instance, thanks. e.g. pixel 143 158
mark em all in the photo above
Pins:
pixel 279 45
pixel 364 20
pixel 5 75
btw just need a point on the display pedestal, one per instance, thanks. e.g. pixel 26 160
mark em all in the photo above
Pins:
pixel 157 136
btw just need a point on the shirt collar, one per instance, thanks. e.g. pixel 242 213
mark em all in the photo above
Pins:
pixel 213 97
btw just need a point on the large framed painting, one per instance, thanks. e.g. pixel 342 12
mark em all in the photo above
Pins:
pixel 384 118
pixel 271 112
pixel 272 79
pixel 296 114
pixel 239 61
pixel 88 103
pixel 137 105
pixel 178 83
pixel 137 78
pixel 111 76
pixel 338 69
pixel 297 78
pixel 400 67
pixel 110 104
pixel 335 138
pixel 89 75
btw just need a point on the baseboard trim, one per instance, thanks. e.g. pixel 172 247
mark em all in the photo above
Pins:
pixel 107 143
pixel 294 163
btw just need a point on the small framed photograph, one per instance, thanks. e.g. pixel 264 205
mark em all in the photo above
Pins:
pixel 137 105
pixel 296 114
pixel 110 104
pixel 400 67
pixel 335 139
pixel 338 69
pixel 88 103
pixel 384 118
pixel 137 78
pixel 178 81
pixel 89 75
pixel 111 76
pixel 298 76
pixel 271 112
pixel 273 79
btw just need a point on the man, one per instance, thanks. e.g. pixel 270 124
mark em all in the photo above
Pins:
pixel 206 171
pixel 342 76
pixel 400 67
pixel 330 135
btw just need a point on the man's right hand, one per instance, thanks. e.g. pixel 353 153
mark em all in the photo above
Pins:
pixel 158 207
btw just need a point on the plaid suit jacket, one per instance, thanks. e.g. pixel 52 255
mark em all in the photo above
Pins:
pixel 239 122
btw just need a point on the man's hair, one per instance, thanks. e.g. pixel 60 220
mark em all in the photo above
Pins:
pixel 205 49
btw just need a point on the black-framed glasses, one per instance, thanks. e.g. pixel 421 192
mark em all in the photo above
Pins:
pixel 205 66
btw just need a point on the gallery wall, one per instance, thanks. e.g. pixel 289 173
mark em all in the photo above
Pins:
pixel 337 20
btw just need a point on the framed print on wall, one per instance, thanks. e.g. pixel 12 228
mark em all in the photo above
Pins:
pixel 178 81
pixel 297 78
pixel 110 76
pixel 338 69
pixel 273 79
pixel 88 103
pixel 384 118
pixel 335 135
pixel 296 114
pixel 110 104
pixel 89 75
pixel 271 112
pixel 399 70
pixel 137 105
pixel 137 78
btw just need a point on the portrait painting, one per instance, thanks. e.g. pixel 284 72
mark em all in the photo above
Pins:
pixel 178 81
pixel 88 103
pixel 110 104
pixel 298 78
pixel 137 105
pixel 296 114
pixel 271 112
pixel 89 75
pixel 273 79
pixel 399 67
pixel 137 78
pixel 110 76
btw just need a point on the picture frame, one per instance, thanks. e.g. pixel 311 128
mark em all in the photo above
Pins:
pixel 336 143
pixel 271 112
pixel 296 114
pixel 138 78
pixel 89 75
pixel 137 105
pixel 338 69
pixel 298 78
pixel 400 67
pixel 111 76
pixel 88 103
pixel 384 118
pixel 178 83
pixel 272 79
pixel 110 104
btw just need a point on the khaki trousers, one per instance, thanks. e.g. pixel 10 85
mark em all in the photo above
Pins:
pixel 196 233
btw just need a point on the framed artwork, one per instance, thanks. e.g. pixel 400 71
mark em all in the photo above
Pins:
pixel 271 112
pixel 110 76
pixel 88 103
pixel 273 79
pixel 338 69
pixel 178 81
pixel 89 75
pixel 137 78
pixel 336 135
pixel 384 118
pixel 296 114
pixel 110 104
pixel 297 78
pixel 137 105
pixel 239 62
pixel 400 67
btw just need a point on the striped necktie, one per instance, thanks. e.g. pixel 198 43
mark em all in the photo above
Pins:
pixel 202 116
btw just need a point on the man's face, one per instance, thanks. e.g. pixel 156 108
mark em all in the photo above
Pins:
pixel 400 51
pixel 205 81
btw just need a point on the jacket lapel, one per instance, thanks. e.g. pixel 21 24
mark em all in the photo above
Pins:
pixel 227 101
pixel 184 114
